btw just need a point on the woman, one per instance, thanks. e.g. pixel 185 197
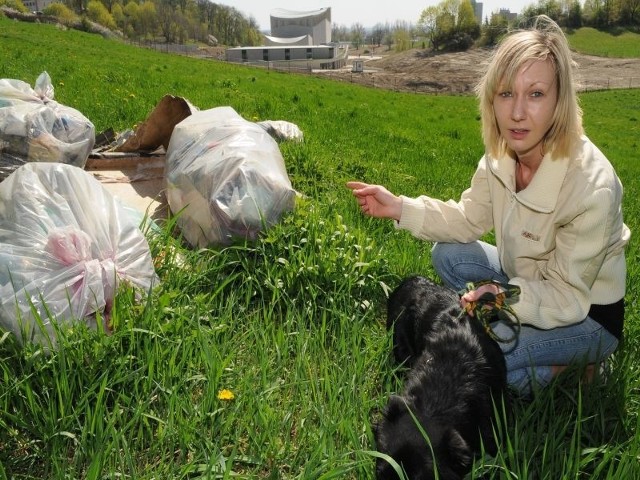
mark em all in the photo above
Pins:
pixel 554 202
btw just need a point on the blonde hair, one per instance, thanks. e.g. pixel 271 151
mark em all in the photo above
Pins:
pixel 543 41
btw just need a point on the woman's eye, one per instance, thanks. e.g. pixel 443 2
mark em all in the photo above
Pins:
pixel 504 94
pixel 537 93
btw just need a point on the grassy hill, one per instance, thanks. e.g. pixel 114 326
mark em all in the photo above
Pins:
pixel 625 44
pixel 292 325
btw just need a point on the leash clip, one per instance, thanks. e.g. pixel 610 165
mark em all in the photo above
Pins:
pixel 492 307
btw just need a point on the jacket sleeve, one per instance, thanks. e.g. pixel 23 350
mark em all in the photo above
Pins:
pixel 439 221
pixel 588 249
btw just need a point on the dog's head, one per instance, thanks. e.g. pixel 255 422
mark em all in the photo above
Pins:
pixel 398 436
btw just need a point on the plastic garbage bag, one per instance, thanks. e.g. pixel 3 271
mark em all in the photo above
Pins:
pixel 226 178
pixel 65 244
pixel 282 130
pixel 36 128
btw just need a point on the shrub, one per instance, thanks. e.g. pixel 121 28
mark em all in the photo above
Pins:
pixel 97 12
pixel 16 5
pixel 63 13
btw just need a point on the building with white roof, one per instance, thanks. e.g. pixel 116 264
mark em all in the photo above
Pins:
pixel 299 38
pixel 313 25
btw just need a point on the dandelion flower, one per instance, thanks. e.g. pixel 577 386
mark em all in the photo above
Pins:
pixel 226 395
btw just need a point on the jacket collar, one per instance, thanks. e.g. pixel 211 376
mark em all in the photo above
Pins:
pixel 543 191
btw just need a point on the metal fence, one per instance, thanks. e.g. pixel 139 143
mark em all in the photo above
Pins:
pixel 432 85
pixel 609 83
pixel 335 69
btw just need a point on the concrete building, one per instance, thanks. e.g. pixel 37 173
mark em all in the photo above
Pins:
pixel 301 39
pixel 268 53
pixel 477 10
pixel 315 25
pixel 37 5
pixel 506 13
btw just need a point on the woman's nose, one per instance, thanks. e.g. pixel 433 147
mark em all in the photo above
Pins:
pixel 518 111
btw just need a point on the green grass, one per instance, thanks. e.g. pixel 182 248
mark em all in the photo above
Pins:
pixel 293 325
pixel 625 44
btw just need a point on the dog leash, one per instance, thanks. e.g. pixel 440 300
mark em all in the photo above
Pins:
pixel 490 307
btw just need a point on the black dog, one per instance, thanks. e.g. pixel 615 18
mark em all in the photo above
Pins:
pixel 457 375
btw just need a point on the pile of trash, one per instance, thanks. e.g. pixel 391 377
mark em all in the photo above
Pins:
pixel 36 128
pixel 226 177
pixel 66 241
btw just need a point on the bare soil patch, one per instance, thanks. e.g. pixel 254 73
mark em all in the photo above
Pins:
pixel 418 70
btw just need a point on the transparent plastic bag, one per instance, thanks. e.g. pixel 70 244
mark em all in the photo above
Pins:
pixel 36 128
pixel 65 244
pixel 282 130
pixel 226 178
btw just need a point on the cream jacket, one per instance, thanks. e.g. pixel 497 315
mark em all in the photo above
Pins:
pixel 561 239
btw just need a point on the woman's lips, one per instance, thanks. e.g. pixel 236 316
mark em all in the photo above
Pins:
pixel 518 134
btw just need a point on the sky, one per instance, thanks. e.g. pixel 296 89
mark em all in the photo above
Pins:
pixel 366 12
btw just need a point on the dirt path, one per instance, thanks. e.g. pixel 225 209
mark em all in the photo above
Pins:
pixel 418 71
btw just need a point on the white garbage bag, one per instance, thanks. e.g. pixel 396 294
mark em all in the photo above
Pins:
pixel 36 128
pixel 65 244
pixel 226 178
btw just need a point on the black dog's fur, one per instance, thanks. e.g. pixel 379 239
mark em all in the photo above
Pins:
pixel 457 374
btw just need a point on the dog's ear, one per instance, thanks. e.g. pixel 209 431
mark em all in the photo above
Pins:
pixel 394 408
pixel 457 449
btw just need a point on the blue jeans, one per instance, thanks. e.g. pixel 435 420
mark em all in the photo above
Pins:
pixel 531 356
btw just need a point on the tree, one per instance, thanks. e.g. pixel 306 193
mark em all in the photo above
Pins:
pixel 357 35
pixel 65 15
pixel 467 27
pixel 117 12
pixel 388 37
pixel 630 12
pixel 169 21
pixel 450 25
pixel 467 18
pixel 16 5
pixel 598 13
pixel 495 28
pixel 574 14
pixel 378 32
pixel 339 33
pixel 429 27
pixel 97 12
pixel 447 20
pixel 402 36
pixel 550 8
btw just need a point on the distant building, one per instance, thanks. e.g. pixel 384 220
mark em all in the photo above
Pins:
pixel 506 13
pixel 269 53
pixel 313 26
pixel 36 5
pixel 302 39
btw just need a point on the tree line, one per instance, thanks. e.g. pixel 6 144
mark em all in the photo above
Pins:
pixel 451 25
pixel 170 21
pixel 448 26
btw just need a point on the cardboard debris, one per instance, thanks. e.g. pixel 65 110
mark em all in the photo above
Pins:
pixel 138 181
pixel 131 166
pixel 156 130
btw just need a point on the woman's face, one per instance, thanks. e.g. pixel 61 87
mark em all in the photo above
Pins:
pixel 524 111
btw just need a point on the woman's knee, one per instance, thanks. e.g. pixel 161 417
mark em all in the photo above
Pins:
pixel 459 263
pixel 442 255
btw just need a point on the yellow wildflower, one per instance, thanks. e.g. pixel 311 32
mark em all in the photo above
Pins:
pixel 225 394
